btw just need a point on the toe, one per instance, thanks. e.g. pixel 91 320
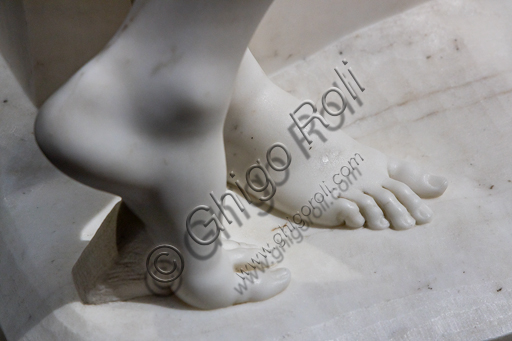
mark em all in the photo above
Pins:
pixel 241 256
pixel 416 207
pixel 349 213
pixel 394 210
pixel 259 286
pixel 353 218
pixel 371 211
pixel 422 183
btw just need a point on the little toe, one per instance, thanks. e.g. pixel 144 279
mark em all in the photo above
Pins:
pixel 424 184
pixel 394 210
pixel 349 213
pixel 416 207
pixel 259 286
pixel 375 219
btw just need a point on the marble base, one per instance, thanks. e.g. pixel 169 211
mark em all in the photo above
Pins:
pixel 112 266
pixel 439 93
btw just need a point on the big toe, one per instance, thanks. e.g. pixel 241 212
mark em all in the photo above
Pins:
pixel 259 286
pixel 422 183
pixel 435 185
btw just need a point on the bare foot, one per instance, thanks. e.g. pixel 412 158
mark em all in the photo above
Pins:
pixel 342 182
pixel 144 120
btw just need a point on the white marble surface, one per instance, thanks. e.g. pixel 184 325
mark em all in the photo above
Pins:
pixel 63 35
pixel 439 93
pixel 294 29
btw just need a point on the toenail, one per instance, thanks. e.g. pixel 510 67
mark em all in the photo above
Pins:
pixel 281 273
pixel 383 222
pixel 424 212
pixel 359 221
pixel 408 221
pixel 437 181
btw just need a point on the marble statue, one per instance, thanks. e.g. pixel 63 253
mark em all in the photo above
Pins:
pixel 176 104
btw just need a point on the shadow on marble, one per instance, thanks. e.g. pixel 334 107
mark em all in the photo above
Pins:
pixel 29 242
pixel 446 108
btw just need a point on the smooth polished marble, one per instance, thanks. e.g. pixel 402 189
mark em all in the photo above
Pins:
pixel 63 35
pixel 439 93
